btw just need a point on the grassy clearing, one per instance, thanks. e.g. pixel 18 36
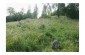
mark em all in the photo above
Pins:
pixel 38 34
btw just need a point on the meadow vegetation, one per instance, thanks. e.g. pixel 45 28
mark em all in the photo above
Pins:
pixel 30 35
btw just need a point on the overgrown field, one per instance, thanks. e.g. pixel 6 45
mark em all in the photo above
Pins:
pixel 32 35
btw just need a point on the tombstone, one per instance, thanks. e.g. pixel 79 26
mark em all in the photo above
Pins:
pixel 55 45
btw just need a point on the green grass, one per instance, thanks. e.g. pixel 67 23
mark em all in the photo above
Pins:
pixel 38 34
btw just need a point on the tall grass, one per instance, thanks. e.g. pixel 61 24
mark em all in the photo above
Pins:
pixel 38 34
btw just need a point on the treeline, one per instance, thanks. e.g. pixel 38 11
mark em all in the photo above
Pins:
pixel 17 16
pixel 70 10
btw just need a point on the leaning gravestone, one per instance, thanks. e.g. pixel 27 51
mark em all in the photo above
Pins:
pixel 55 45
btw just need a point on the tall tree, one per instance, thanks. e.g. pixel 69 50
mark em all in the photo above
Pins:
pixel 35 13
pixel 22 11
pixel 10 10
pixel 44 11
pixel 54 6
pixel 29 14
pixel 60 10
pixel 49 8
pixel 72 10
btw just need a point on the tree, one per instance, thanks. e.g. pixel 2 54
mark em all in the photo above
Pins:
pixel 29 14
pixel 10 10
pixel 72 10
pixel 49 8
pixel 60 10
pixel 22 11
pixel 35 13
pixel 44 11
pixel 15 16
pixel 54 6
